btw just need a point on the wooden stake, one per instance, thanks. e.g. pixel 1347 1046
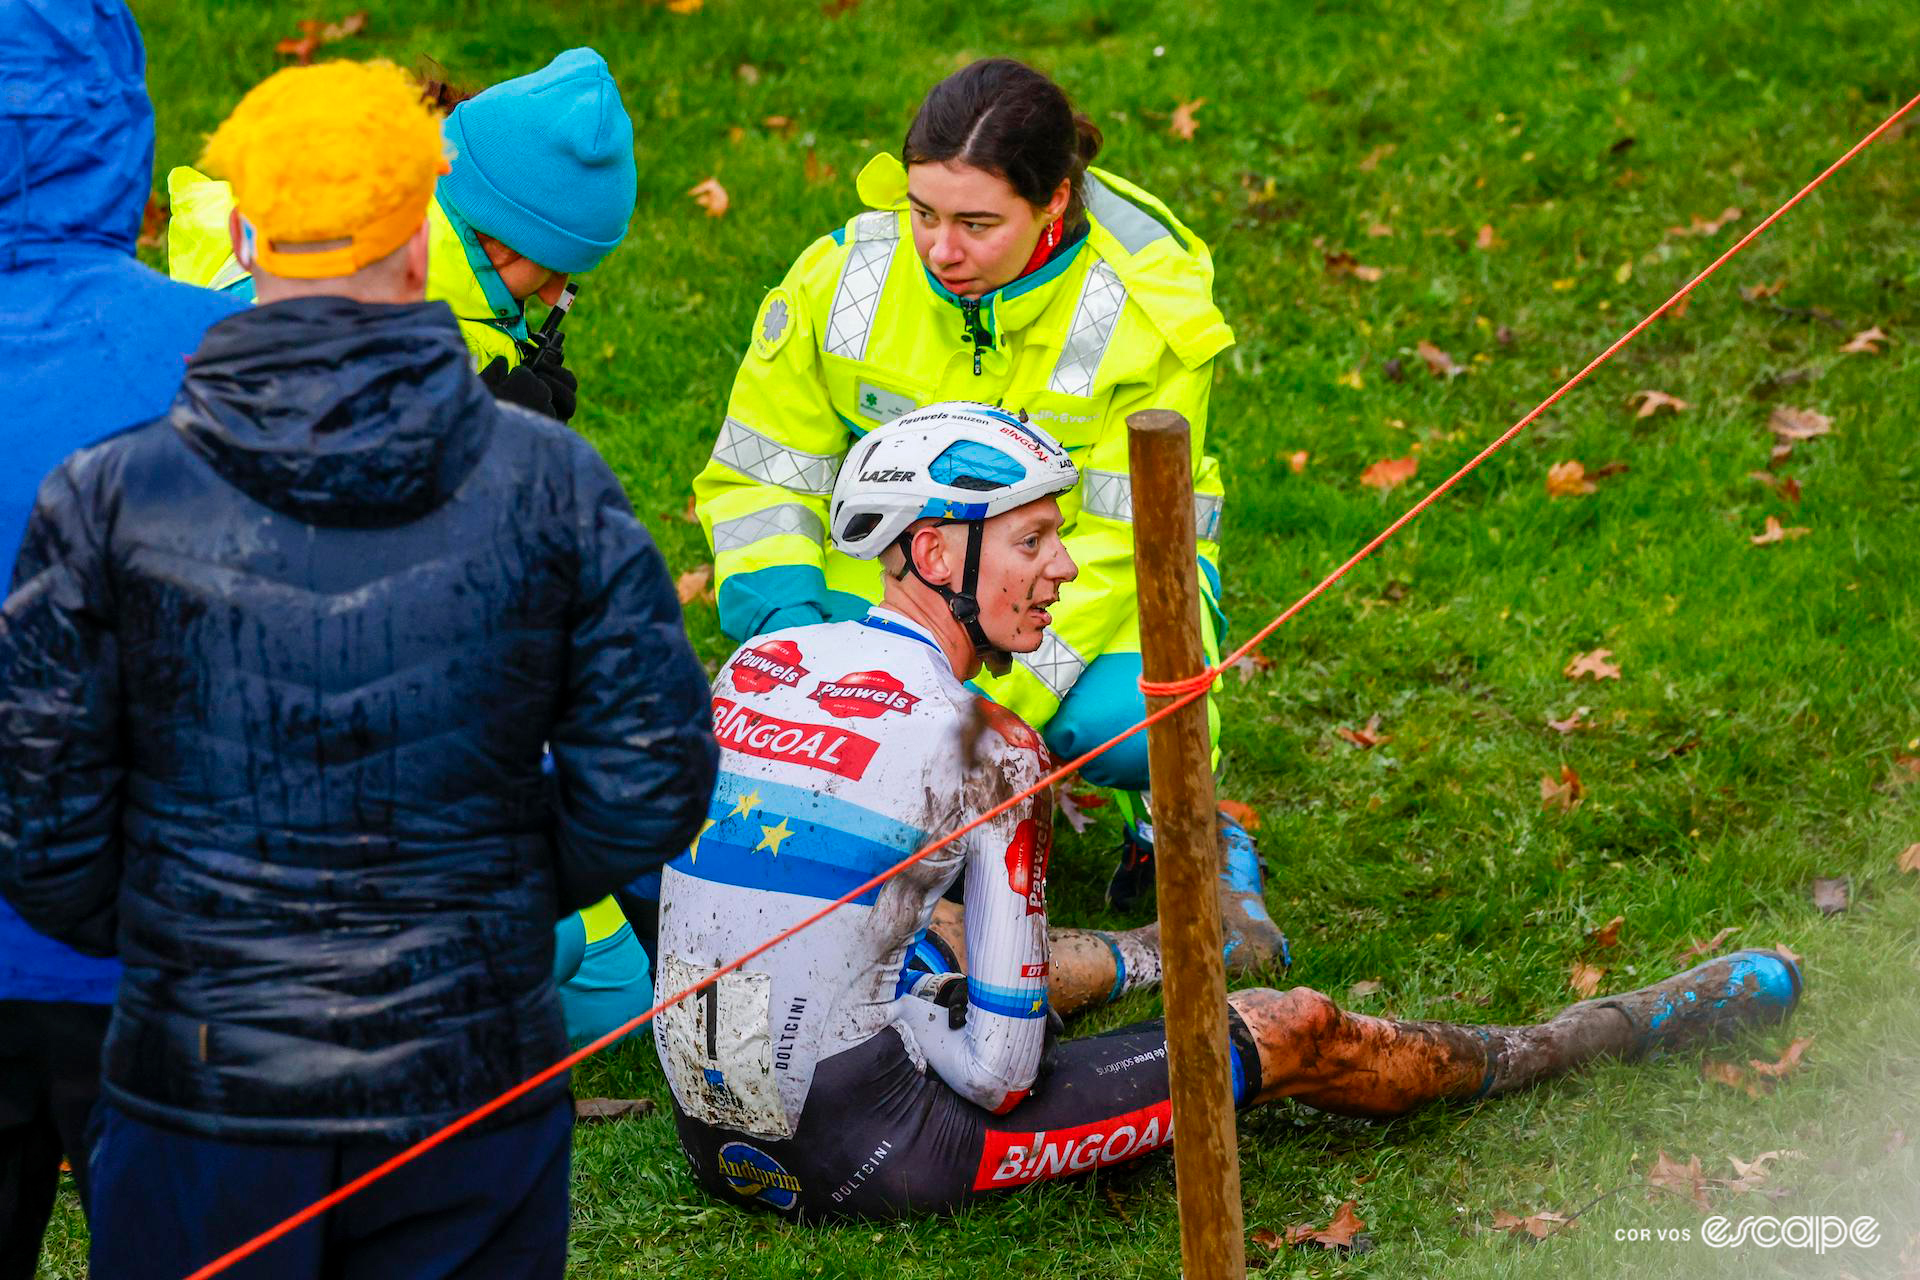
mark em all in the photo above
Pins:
pixel 1206 1148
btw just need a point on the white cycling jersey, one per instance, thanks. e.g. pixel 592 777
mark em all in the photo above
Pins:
pixel 847 746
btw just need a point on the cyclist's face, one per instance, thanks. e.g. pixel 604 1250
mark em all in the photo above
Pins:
pixel 973 231
pixel 1023 565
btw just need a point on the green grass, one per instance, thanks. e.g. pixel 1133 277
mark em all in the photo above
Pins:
pixel 1790 673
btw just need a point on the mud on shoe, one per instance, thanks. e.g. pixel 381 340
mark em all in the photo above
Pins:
pixel 1252 940
pixel 1711 1001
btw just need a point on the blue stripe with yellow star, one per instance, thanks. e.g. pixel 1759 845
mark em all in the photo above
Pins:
pixel 784 839
pixel 1008 1002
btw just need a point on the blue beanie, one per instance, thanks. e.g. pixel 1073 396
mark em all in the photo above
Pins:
pixel 544 163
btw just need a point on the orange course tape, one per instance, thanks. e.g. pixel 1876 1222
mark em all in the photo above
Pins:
pixel 1183 692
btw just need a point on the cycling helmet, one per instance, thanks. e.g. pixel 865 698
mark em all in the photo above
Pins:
pixel 958 463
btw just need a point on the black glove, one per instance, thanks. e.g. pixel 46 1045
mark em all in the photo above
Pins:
pixel 541 383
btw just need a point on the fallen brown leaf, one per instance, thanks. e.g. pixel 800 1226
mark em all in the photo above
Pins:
pixel 1368 738
pixel 1364 988
pixel 1788 423
pixel 1787 951
pixel 1337 1234
pixel 1863 342
pixel 836 8
pixel 1379 231
pixel 1786 486
pixel 1538 1225
pixel 1614 468
pixel 1699 226
pixel 1651 402
pixel 815 170
pixel 1072 806
pixel 692 585
pixel 711 196
pixel 1830 894
pixel 1252 667
pixel 1773 532
pixel 1439 363
pixel 1568 480
pixel 1183 122
pixel 1759 292
pixel 1710 946
pixel 1345 264
pixel 1779 454
pixel 1268 1238
pixel 315 33
pixel 1679 308
pixel 1484 238
pixel 1734 1076
pixel 1371 161
pixel 1608 934
pixel 1244 814
pixel 1788 1062
pixel 1908 861
pixel 1906 769
pixel 1389 473
pixel 153 223
pixel 1593 664
pixel 589 1110
pixel 1684 1179
pixel 1751 1173
pixel 777 123
pixel 1585 978
pixel 301 48
pixel 691 512
pixel 1575 721
pixel 1297 461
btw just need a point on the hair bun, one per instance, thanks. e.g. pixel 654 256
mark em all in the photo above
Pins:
pixel 1088 138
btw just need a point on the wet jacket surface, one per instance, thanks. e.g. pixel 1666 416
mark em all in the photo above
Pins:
pixel 275 686
pixel 91 341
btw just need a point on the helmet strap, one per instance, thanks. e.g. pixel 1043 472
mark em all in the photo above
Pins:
pixel 964 604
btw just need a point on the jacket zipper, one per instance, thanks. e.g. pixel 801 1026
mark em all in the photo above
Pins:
pixel 975 332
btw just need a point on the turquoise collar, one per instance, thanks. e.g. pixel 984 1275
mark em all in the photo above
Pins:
pixel 1013 288
pixel 508 311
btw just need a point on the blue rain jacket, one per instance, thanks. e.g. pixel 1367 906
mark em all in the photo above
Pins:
pixel 90 340
pixel 280 669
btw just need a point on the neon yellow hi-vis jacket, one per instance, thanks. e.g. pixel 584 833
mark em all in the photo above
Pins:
pixel 859 333
pixel 458 272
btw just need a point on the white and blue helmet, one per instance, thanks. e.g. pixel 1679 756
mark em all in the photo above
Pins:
pixel 950 461
pixel 956 462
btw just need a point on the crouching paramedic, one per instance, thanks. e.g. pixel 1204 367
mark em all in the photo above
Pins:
pixel 828 1077
pixel 994 264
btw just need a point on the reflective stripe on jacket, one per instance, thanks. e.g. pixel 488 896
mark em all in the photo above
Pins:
pixel 458 272
pixel 859 333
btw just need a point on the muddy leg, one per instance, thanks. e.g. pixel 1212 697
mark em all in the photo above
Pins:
pixel 1088 968
pixel 1352 1064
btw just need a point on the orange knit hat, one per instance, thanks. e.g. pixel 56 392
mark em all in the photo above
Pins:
pixel 332 166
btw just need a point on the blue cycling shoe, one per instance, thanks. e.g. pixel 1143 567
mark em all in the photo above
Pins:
pixel 1711 1001
pixel 1253 941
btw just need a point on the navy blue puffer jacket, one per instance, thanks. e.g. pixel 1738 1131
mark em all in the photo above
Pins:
pixel 274 685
